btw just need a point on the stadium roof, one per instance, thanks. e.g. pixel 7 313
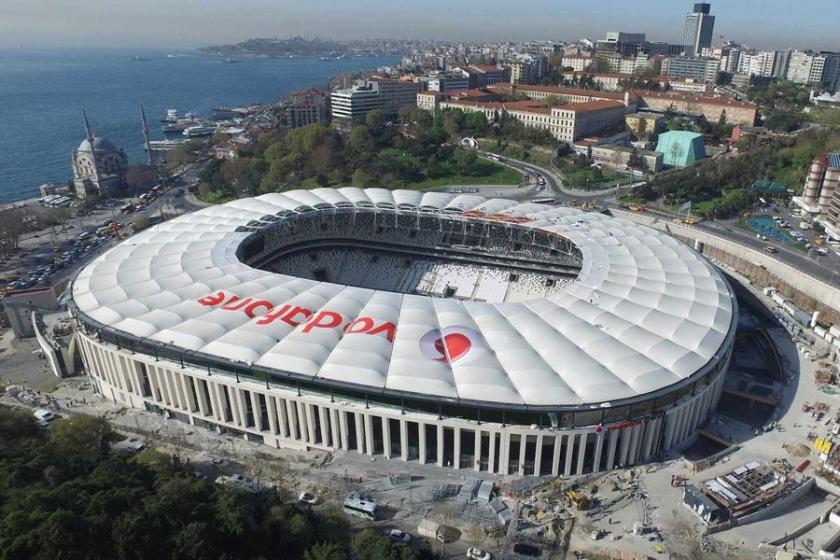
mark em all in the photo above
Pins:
pixel 646 311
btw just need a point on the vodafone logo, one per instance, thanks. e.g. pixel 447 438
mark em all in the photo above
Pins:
pixel 451 344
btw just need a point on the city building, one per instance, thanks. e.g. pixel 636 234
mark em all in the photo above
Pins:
pixel 386 94
pixel 713 108
pixel 449 81
pixel 699 69
pixel 597 369
pixel 805 67
pixel 644 125
pixel 699 29
pixel 566 122
pixel 621 157
pixel 305 107
pixel 680 148
pixel 482 75
pixel 577 63
pixel 527 69
pixel 821 195
pixel 99 168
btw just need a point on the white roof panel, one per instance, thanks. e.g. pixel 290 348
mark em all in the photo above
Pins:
pixel 645 311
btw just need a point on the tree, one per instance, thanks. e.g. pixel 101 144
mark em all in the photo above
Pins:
pixel 325 551
pixel 81 441
pixel 373 119
pixel 12 226
pixel 476 534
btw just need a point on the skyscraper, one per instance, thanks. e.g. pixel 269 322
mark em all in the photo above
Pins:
pixel 699 27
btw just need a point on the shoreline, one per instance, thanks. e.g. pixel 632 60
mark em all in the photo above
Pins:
pixel 22 199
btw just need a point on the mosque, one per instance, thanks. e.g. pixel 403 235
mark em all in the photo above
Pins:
pixel 99 167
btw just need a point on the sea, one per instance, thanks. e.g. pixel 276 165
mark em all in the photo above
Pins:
pixel 43 92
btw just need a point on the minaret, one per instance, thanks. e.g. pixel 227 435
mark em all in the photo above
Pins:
pixel 90 139
pixel 145 130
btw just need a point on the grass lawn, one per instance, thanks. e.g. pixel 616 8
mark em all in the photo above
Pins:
pixel 490 174
pixel 537 155
pixel 591 178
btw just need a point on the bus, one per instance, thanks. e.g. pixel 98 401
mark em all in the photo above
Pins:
pixel 359 507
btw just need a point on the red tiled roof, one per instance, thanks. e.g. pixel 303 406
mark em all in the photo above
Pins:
pixel 696 98
pixel 592 105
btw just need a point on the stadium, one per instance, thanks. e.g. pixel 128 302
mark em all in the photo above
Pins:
pixel 483 334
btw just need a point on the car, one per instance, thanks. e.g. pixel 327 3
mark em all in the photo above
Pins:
pixel 478 554
pixel 400 536
pixel 525 549
pixel 45 416
pixel 822 251
pixel 309 498
pixel 135 447
pixel 770 249
pixel 217 461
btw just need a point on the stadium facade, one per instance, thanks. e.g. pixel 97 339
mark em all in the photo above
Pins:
pixel 577 343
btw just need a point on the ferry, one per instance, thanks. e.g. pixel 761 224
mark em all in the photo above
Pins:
pixel 199 130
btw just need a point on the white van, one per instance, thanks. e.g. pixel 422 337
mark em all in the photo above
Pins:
pixel 805 225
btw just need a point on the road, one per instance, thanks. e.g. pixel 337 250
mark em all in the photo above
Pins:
pixel 824 268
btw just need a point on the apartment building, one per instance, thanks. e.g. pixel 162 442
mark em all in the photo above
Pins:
pixel 577 63
pixel 821 195
pixel 482 75
pixel 305 108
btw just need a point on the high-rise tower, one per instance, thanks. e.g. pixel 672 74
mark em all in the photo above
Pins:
pixel 699 28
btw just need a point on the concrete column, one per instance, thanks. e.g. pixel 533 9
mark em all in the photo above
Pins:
pixel 504 452
pixel 555 461
pixel 342 422
pixel 291 414
pixel 625 446
pixel 369 433
pixel 240 402
pixel 570 445
pixel 188 394
pixel 334 431
pixel 421 431
pixel 670 420
pixel 202 398
pixel 634 444
pixel 301 418
pixel 403 440
pixel 255 402
pixel 599 448
pixel 538 455
pixel 360 432
pixel 491 453
pixel 272 414
pixel 612 441
pixel 325 427
pixel 310 422
pixel 440 445
pixel 456 440
pixel 523 441
pixel 282 418
pixel 581 453
pixel 221 405
pixel 650 431
pixel 386 437
pixel 477 448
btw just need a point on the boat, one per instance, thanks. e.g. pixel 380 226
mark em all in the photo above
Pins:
pixel 231 61
pixel 198 131
pixel 140 59
pixel 171 116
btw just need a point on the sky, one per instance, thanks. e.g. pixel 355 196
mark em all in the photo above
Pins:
pixel 194 23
